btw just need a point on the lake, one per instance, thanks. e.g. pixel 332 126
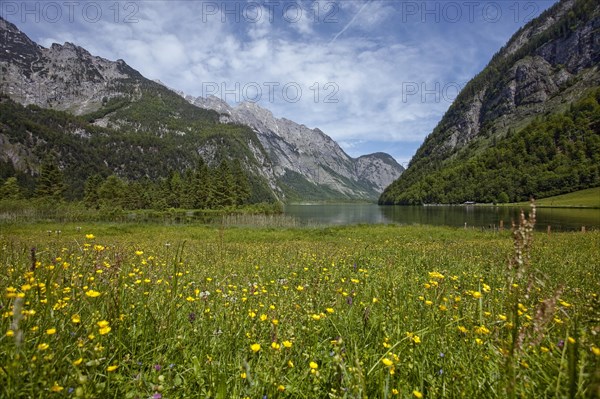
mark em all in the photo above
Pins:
pixel 560 219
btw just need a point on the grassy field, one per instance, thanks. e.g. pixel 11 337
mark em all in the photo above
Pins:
pixel 134 311
pixel 589 198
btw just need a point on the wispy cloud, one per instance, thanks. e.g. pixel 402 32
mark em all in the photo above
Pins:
pixel 345 28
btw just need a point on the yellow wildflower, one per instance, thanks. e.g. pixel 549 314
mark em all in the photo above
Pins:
pixel 387 362
pixel 436 275
pixel 482 330
pixel 255 347
pixel 56 387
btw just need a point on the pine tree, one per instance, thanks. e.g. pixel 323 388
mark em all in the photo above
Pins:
pixel 112 192
pixel 90 191
pixel 224 185
pixel 242 186
pixel 10 189
pixel 50 183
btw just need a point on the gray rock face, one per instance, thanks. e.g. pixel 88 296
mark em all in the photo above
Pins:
pixel 64 77
pixel 295 148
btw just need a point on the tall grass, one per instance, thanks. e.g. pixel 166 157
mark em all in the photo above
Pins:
pixel 133 311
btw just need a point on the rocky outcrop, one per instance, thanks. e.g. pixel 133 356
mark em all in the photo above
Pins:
pixel 544 59
pixel 64 77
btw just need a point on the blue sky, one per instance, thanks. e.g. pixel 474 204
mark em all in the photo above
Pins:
pixel 374 75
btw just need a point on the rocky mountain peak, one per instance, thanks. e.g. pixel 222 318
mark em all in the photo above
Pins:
pixel 64 77
pixel 296 150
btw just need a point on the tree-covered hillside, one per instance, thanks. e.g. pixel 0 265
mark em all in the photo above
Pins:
pixel 554 154
pixel 36 140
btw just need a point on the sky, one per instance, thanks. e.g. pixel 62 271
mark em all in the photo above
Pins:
pixel 376 76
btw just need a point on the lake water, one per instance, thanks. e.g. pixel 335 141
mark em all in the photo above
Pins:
pixel 559 219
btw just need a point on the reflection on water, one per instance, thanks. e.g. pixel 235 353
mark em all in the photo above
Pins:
pixel 473 216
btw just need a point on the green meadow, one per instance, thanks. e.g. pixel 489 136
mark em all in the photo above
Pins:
pixel 589 198
pixel 152 311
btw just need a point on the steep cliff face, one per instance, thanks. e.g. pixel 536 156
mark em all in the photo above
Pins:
pixel 296 150
pixel 549 64
pixel 64 77
pixel 552 59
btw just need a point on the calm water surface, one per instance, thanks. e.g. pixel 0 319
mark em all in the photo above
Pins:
pixel 473 216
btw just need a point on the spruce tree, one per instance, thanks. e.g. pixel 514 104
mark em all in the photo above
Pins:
pixel 90 191
pixel 112 193
pixel 10 189
pixel 202 186
pixel 224 185
pixel 50 183
pixel 242 186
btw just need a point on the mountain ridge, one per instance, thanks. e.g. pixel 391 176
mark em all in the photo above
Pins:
pixel 112 95
pixel 299 149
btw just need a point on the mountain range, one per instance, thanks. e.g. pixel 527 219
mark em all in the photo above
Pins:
pixel 528 125
pixel 138 128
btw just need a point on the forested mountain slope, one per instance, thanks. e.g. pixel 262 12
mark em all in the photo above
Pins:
pixel 537 91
